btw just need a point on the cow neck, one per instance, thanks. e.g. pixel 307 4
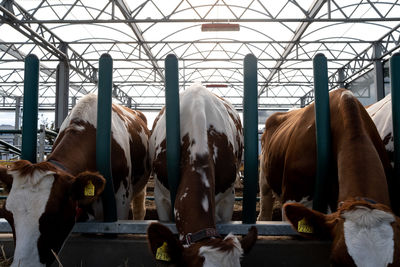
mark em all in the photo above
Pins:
pixel 360 171
pixel 76 158
pixel 195 201
pixel 191 238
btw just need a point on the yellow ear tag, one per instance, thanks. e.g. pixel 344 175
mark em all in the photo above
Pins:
pixel 89 189
pixel 304 227
pixel 162 253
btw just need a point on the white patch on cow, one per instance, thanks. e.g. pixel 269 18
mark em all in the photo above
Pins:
pixel 27 201
pixel 308 203
pixel 158 135
pixel 214 257
pixel 215 156
pixel 85 110
pixel 369 236
pixel 177 215
pixel 162 198
pixel 347 93
pixel 184 194
pixel 119 131
pixel 224 205
pixel 381 114
pixel 79 128
pixel 203 177
pixel 210 111
pixel 205 204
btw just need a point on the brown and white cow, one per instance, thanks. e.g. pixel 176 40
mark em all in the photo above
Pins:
pixel 211 152
pixel 381 114
pixel 44 198
pixel 364 230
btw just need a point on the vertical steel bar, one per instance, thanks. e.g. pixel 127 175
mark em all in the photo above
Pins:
pixel 103 136
pixel 250 123
pixel 395 91
pixel 30 108
pixel 323 131
pixel 173 125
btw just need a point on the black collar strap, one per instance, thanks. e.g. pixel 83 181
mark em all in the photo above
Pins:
pixel 191 238
pixel 58 165
pixel 366 200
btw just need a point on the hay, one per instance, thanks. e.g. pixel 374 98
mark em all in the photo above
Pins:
pixel 57 258
pixel 4 261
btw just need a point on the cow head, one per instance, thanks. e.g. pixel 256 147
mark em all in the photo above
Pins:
pixel 41 207
pixel 363 233
pixel 225 252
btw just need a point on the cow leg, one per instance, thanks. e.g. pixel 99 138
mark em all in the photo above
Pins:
pixel 163 201
pixel 266 199
pixel 138 205
pixel 224 205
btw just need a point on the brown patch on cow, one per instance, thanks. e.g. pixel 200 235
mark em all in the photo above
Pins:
pixel 160 163
pixel 157 118
pixel 6 178
pixel 25 168
pixel 139 152
pixel 75 158
pixel 387 138
pixel 58 218
pixel 249 240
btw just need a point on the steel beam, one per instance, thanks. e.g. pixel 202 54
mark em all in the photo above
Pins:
pixel 378 73
pixel 312 12
pixel 125 10
pixel 62 90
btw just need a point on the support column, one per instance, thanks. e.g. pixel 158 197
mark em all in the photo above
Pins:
pixel 378 73
pixel 17 120
pixel 62 89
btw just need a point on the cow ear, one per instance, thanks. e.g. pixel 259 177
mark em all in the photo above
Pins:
pixel 87 187
pixel 249 240
pixel 307 222
pixel 6 178
pixel 163 244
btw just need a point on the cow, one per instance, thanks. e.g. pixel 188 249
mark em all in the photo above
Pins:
pixel 363 227
pixel 211 153
pixel 381 114
pixel 47 198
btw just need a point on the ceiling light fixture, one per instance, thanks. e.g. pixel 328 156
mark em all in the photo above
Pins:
pixel 216 85
pixel 219 27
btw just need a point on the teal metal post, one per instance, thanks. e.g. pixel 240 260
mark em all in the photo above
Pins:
pixel 172 125
pixel 395 91
pixel 30 108
pixel 250 123
pixel 103 136
pixel 323 131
